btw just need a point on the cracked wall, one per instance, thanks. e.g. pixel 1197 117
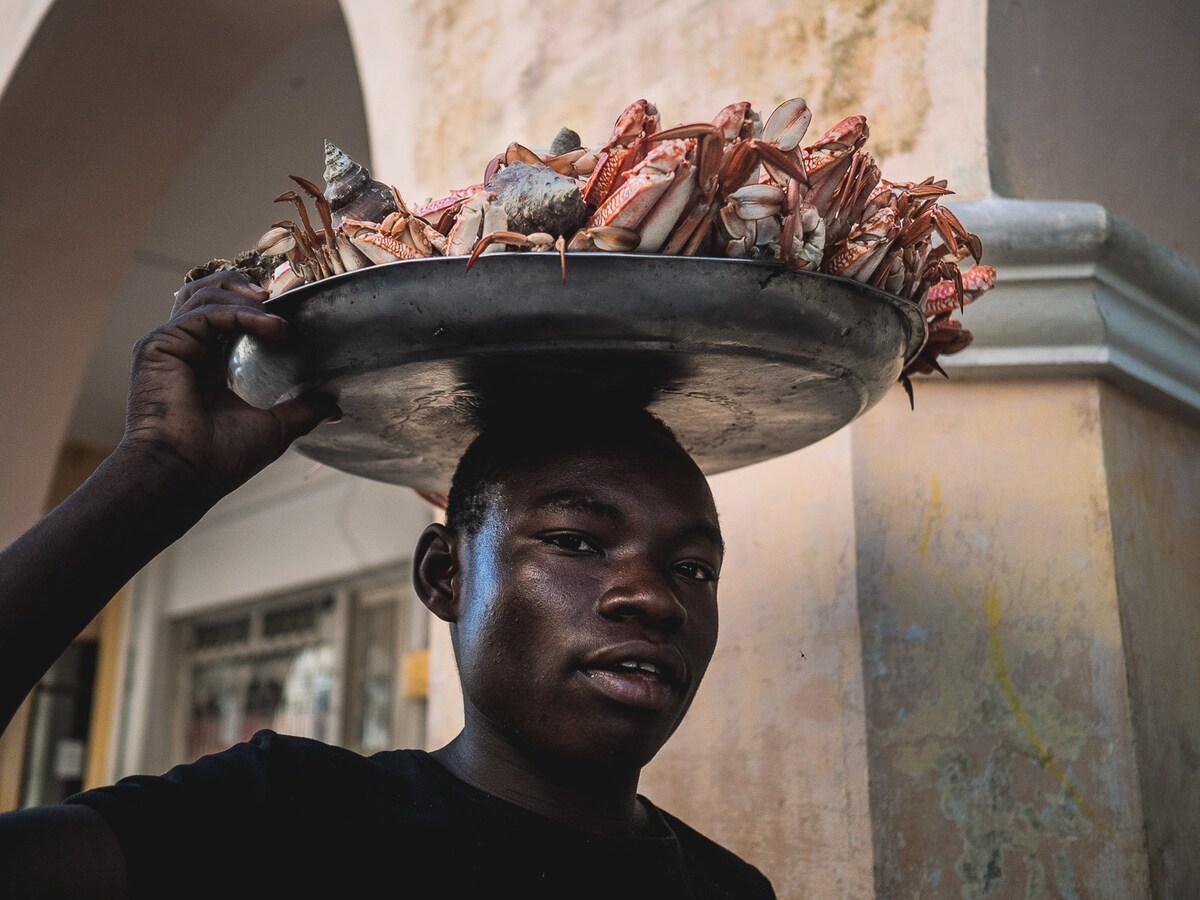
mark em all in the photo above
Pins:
pixel 999 732
pixel 448 85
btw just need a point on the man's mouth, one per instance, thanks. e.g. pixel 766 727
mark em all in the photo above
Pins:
pixel 633 680
pixel 638 666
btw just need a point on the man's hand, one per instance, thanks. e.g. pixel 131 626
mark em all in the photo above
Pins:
pixel 182 413
pixel 188 442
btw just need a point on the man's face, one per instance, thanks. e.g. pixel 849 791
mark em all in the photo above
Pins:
pixel 588 605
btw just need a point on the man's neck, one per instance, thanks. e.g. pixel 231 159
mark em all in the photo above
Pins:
pixel 591 798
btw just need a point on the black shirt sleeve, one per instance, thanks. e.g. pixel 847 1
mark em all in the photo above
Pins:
pixel 195 830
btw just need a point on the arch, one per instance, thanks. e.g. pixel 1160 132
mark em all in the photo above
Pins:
pixel 96 121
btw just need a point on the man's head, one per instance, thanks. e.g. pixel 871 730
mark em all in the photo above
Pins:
pixel 578 571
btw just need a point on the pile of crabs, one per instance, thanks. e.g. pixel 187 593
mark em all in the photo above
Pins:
pixel 733 187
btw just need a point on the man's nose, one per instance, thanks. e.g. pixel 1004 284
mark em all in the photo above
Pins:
pixel 641 591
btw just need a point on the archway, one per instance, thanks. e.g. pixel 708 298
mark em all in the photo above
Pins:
pixel 142 139
pixel 98 119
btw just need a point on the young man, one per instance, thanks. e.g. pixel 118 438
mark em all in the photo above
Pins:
pixel 577 569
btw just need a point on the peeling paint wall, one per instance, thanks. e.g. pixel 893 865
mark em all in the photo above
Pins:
pixel 1153 467
pixel 771 759
pixel 448 85
pixel 999 734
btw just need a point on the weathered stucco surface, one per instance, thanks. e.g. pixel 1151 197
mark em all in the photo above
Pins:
pixel 771 759
pixel 1153 467
pixel 999 735
pixel 1081 97
pixel 448 85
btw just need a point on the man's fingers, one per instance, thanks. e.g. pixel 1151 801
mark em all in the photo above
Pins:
pixel 300 415
pixel 189 335
pixel 220 287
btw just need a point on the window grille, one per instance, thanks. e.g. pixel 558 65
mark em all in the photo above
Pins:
pixel 328 665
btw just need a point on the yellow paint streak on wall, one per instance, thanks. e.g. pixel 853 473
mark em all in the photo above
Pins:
pixel 991 609
pixel 933 518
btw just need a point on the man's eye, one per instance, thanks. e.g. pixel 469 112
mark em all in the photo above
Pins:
pixel 573 542
pixel 696 571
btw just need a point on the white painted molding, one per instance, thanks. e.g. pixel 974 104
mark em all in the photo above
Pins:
pixel 1080 292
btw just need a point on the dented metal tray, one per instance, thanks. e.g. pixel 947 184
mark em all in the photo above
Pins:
pixel 742 359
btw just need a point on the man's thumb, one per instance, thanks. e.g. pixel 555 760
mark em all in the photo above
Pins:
pixel 300 415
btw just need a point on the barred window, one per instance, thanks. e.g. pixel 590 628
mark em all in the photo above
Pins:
pixel 341 664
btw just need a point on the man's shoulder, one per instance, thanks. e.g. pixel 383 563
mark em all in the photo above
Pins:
pixel 269 775
pixel 716 864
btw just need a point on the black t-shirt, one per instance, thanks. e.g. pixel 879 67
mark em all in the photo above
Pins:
pixel 288 817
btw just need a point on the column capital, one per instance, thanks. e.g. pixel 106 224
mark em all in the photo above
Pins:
pixel 1081 292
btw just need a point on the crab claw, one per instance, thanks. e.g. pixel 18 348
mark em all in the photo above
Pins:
pixel 610 238
pixel 786 126
pixel 276 242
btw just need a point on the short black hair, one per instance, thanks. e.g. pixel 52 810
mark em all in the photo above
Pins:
pixel 515 441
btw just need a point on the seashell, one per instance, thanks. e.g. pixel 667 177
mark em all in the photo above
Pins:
pixel 565 141
pixel 351 191
pixel 539 199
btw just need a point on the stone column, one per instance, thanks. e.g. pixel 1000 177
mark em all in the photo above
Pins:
pixel 1028 610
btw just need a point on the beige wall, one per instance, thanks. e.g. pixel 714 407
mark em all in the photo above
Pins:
pixel 1096 102
pixel 999 732
pixel 771 760
pixel 447 85
pixel 1153 467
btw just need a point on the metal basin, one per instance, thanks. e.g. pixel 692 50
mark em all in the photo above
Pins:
pixel 742 359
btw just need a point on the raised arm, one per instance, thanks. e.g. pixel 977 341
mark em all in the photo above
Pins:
pixel 188 442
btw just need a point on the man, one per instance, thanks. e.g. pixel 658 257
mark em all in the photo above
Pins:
pixel 577 569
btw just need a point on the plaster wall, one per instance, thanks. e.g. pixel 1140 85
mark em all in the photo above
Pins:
pixel 1097 102
pixel 1153 466
pixel 999 730
pixel 448 85
pixel 772 755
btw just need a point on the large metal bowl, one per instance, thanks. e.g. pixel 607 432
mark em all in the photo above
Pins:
pixel 744 360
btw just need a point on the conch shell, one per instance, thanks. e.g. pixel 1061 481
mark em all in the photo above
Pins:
pixel 351 192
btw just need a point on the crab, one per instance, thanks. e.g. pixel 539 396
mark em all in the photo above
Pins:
pixel 802 238
pixel 749 219
pixel 537 242
pixel 826 161
pixel 634 204
pixel 621 152
pixel 728 152
pixel 859 254
pixel 441 212
pixel 478 217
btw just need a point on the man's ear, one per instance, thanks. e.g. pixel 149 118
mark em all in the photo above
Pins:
pixel 435 567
